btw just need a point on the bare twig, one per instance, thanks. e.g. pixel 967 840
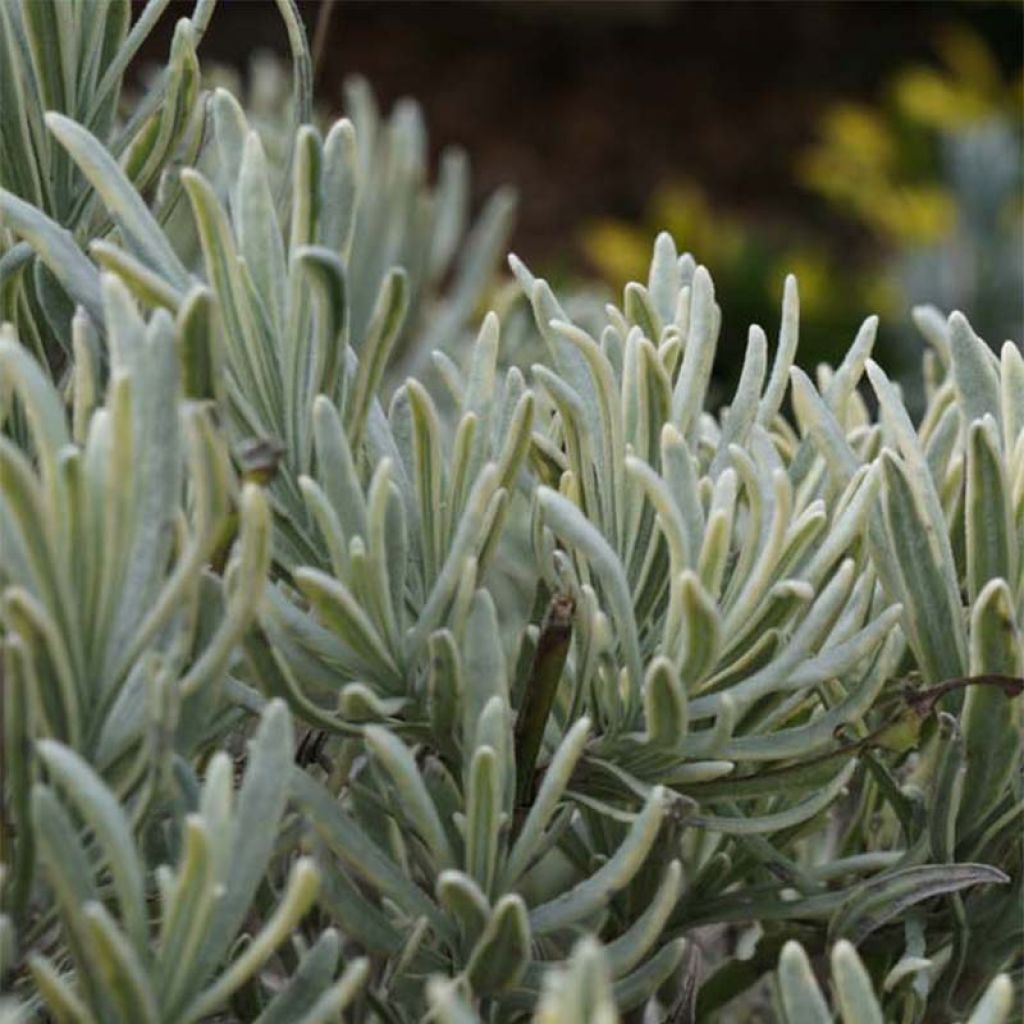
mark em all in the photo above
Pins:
pixel 541 687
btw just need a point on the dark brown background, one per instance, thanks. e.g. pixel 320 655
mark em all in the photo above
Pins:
pixel 586 106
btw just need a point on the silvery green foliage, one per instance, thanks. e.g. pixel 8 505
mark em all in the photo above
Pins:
pixel 580 993
pixel 713 577
pixel 222 847
pixel 61 60
pixel 830 660
pixel 802 1001
pixel 444 848
pixel 71 57
pixel 418 535
pixel 400 218
pixel 296 295
pixel 768 674
pixel 432 238
pixel 116 633
pixel 103 576
pixel 951 515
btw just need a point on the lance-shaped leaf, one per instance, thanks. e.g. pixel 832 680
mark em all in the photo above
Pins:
pixel 698 357
pixel 639 310
pixel 569 361
pixel 636 989
pixel 991 541
pixel 399 763
pixel 337 998
pixel 199 355
pixel 117 961
pixel 100 809
pixel 249 573
pixel 665 278
pixel 801 997
pixel 996 1005
pixel 374 351
pixel 932 617
pixel 259 238
pixel 789 335
pixel 701 632
pixel 261 802
pixel 357 850
pixel 877 901
pixel 587 896
pixel 625 952
pixel 341 612
pixel 991 718
pixel 55 989
pixel 298 896
pixel 189 901
pixel 743 409
pixel 778 820
pixel 665 705
pixel 552 788
pixel 56 247
pixel 465 901
pixel 483 816
pixel 854 992
pixel 484 672
pixel 468 537
pixel 581 991
pixel 126 206
pixel 974 371
pixel 1012 394
pixel 499 957
pixel 313 975
pixel 156 141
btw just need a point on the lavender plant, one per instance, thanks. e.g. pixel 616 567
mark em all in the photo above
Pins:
pixel 327 692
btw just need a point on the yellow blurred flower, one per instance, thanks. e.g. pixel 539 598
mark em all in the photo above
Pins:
pixel 867 161
pixel 815 277
pixel 618 251
pixel 917 214
pixel 926 96
pixel 685 209
pixel 852 165
pixel 861 133
pixel 969 87
pixel 621 252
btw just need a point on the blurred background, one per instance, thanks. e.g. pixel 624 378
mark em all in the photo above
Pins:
pixel 875 149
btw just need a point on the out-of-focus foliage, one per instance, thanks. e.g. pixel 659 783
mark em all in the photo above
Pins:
pixel 935 173
pixel 879 164
pixel 932 177
pixel 449 258
pixel 503 700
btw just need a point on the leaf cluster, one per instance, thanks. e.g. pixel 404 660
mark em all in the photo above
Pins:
pixel 328 690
